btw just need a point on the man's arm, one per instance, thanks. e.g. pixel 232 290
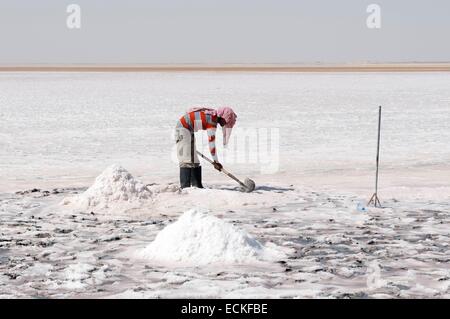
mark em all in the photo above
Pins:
pixel 212 143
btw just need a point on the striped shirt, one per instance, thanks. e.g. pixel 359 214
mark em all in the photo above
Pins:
pixel 199 120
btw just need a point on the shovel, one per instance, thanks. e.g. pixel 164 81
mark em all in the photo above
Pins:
pixel 247 186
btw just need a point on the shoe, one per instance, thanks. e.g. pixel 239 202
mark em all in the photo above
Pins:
pixel 196 177
pixel 185 177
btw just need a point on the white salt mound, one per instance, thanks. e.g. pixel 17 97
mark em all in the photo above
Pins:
pixel 197 238
pixel 113 188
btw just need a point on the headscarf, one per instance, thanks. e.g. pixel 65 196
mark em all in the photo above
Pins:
pixel 230 117
pixel 226 113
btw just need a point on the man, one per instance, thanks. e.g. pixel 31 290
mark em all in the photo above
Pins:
pixel 200 119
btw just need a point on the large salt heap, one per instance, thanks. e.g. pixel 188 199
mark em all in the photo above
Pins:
pixel 197 238
pixel 114 188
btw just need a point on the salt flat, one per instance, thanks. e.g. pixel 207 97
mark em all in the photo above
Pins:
pixel 65 128
pixel 59 131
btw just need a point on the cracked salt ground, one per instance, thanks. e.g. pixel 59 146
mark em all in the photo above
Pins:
pixel 335 250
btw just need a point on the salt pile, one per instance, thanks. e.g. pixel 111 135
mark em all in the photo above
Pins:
pixel 197 238
pixel 114 188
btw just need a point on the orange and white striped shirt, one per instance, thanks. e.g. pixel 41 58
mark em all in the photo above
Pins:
pixel 199 120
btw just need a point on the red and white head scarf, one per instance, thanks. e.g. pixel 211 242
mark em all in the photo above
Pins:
pixel 230 117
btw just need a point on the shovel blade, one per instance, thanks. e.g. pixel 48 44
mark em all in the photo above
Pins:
pixel 249 185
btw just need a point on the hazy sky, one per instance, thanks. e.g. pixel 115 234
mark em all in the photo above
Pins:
pixel 223 31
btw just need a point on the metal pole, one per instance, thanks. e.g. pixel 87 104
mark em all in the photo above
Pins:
pixel 378 150
pixel 374 199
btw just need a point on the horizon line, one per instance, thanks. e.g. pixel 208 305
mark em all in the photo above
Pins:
pixel 234 67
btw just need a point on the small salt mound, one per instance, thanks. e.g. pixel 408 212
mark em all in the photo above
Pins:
pixel 198 239
pixel 159 189
pixel 115 186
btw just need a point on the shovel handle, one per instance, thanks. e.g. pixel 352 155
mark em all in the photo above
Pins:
pixel 223 170
pixel 234 177
pixel 204 157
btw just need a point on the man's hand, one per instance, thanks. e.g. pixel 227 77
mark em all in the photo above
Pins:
pixel 218 166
